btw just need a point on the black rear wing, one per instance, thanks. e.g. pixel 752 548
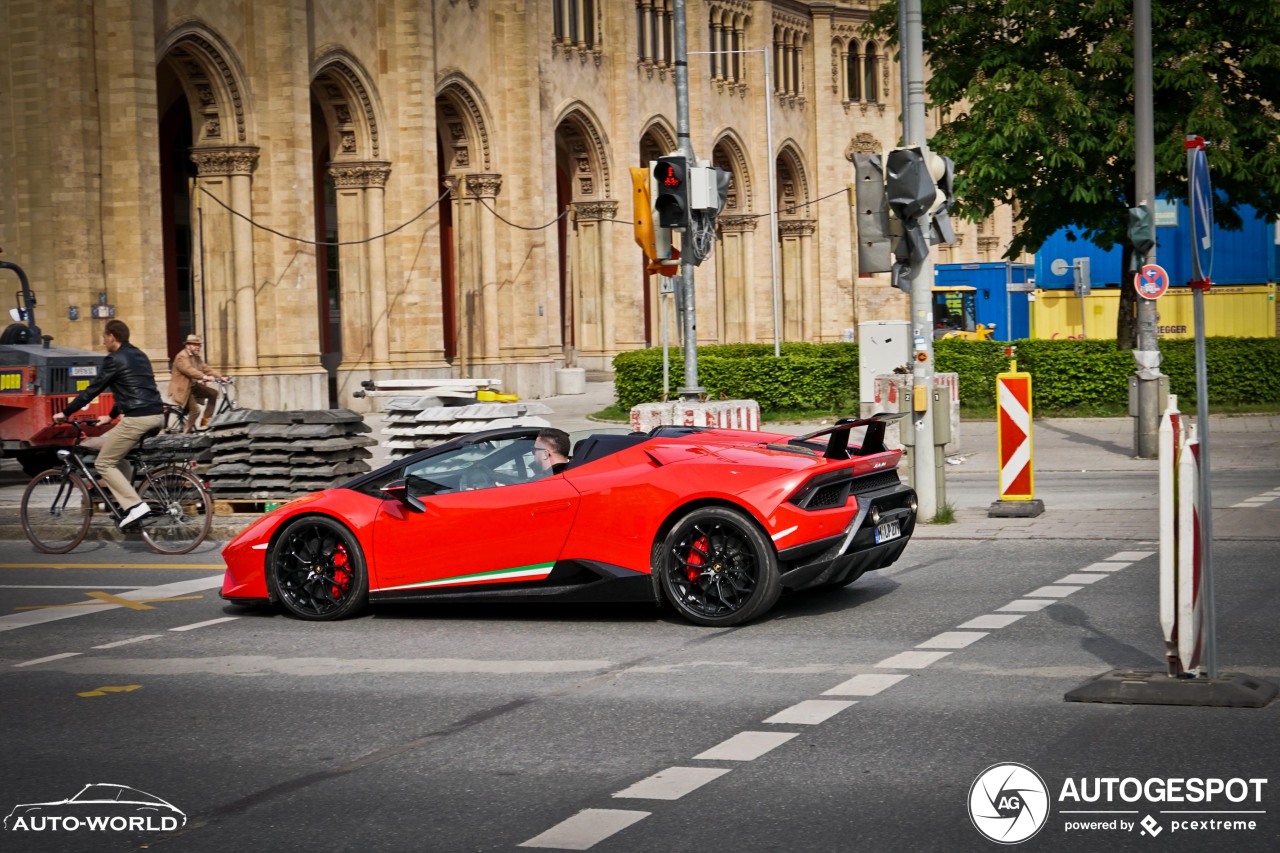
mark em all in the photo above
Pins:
pixel 838 443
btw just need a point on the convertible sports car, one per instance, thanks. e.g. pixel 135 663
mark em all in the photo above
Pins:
pixel 716 522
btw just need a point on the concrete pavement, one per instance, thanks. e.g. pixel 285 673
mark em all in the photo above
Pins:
pixel 1092 486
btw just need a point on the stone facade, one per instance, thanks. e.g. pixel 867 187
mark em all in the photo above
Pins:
pixel 333 191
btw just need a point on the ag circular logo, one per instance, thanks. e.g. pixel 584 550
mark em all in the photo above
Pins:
pixel 1008 803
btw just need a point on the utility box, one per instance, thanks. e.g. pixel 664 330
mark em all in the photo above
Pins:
pixel 883 346
pixel 1002 294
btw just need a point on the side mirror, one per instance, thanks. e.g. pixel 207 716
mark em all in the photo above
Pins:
pixel 398 490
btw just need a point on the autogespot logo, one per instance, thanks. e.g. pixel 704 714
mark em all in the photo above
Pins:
pixel 1008 803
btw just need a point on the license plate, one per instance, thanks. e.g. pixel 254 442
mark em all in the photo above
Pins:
pixel 888 530
pixel 88 370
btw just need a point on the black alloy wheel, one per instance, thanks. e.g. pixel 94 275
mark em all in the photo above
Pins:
pixel 317 571
pixel 717 568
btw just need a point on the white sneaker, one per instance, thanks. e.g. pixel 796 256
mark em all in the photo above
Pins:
pixel 136 513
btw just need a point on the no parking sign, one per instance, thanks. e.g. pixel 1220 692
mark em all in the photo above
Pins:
pixel 1151 281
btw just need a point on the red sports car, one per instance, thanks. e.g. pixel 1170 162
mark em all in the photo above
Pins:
pixel 716 522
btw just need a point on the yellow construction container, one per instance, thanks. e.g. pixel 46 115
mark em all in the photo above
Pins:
pixel 1247 311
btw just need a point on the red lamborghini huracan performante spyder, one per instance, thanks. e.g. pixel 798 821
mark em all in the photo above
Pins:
pixel 715 522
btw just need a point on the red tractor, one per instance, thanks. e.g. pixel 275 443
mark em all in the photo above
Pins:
pixel 37 380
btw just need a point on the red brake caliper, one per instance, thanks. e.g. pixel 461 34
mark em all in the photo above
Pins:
pixel 341 577
pixel 699 547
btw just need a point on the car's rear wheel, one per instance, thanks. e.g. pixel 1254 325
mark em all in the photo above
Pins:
pixel 717 568
pixel 317 571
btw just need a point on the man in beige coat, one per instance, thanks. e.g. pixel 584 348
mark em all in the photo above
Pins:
pixel 185 388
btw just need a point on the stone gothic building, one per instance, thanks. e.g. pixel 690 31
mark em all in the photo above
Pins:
pixel 333 191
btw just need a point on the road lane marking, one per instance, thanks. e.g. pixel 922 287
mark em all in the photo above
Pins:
pixel 585 829
pixel 810 712
pixel 118 643
pixel 1079 578
pixel 60 566
pixel 59 586
pixel 1106 567
pixel 1129 556
pixel 952 640
pixel 203 624
pixel 868 684
pixel 52 614
pixel 912 660
pixel 672 783
pixel 46 660
pixel 992 620
pixel 108 598
pixel 1054 591
pixel 1026 605
pixel 103 691
pixel 746 746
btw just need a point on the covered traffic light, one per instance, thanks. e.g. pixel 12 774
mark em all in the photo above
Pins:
pixel 670 176
pixel 911 191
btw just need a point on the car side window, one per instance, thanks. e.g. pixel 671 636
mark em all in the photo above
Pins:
pixel 484 465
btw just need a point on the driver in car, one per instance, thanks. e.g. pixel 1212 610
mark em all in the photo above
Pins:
pixel 550 452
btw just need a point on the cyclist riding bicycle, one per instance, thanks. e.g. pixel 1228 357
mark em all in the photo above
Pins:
pixel 126 371
pixel 186 379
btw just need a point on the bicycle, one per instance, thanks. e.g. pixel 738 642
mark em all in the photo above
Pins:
pixel 58 504
pixel 226 403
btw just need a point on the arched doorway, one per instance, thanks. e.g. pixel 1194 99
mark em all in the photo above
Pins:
pixel 735 300
pixel 182 313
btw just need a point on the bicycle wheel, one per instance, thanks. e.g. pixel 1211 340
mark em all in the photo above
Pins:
pixel 183 511
pixel 56 511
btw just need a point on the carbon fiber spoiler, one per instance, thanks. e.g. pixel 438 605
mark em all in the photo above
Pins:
pixel 838 444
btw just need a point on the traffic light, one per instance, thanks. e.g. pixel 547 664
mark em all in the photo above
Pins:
pixel 672 202
pixel 943 171
pixel 911 191
pixel 875 245
pixel 653 239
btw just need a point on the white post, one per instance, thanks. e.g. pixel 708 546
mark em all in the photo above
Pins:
pixel 1170 441
pixel 1189 603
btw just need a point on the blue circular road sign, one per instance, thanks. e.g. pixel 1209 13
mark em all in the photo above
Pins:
pixel 1201 203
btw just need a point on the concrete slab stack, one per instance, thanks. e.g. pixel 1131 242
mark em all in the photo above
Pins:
pixel 413 423
pixel 267 456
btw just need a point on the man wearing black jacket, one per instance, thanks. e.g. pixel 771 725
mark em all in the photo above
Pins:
pixel 126 372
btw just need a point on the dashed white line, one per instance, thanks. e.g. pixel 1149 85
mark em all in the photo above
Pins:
pixel 585 829
pixel 952 640
pixel 46 660
pixel 672 783
pixel 868 684
pixel 1079 578
pixel 119 643
pixel 1054 591
pixel 205 624
pixel 810 712
pixel 993 620
pixel 1026 605
pixel 60 586
pixel 1130 556
pixel 1106 567
pixel 746 746
pixel 912 660
pixel 161 591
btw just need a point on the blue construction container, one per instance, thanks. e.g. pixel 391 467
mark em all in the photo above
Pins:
pixel 1001 297
pixel 1247 256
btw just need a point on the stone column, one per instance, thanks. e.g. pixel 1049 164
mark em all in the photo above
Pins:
pixel 797 286
pixel 368 179
pixel 592 274
pixel 734 273
pixel 230 294
pixel 486 187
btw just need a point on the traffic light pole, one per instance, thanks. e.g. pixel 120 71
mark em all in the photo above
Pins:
pixel 691 391
pixel 1147 353
pixel 924 474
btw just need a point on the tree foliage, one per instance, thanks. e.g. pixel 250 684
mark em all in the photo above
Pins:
pixel 1038 106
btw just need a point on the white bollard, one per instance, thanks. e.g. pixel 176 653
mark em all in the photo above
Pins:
pixel 1169 442
pixel 1190 612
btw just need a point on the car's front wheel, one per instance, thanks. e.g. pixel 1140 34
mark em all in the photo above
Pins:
pixel 717 568
pixel 317 571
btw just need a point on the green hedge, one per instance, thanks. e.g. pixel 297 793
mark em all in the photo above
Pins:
pixel 1066 373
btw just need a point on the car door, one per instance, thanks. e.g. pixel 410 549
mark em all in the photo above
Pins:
pixel 488 519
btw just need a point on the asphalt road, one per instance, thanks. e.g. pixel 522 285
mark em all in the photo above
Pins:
pixel 853 720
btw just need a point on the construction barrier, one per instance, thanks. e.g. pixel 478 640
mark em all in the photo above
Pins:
pixel 1013 435
pixel 1181 607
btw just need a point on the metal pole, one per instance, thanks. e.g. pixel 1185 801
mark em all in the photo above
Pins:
pixel 1147 354
pixel 904 73
pixel 773 195
pixel 691 390
pixel 922 456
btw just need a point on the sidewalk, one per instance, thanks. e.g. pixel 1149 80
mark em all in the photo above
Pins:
pixel 1092 485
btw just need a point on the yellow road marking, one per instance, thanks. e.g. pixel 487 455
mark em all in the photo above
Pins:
pixel 103 691
pixel 200 566
pixel 108 598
